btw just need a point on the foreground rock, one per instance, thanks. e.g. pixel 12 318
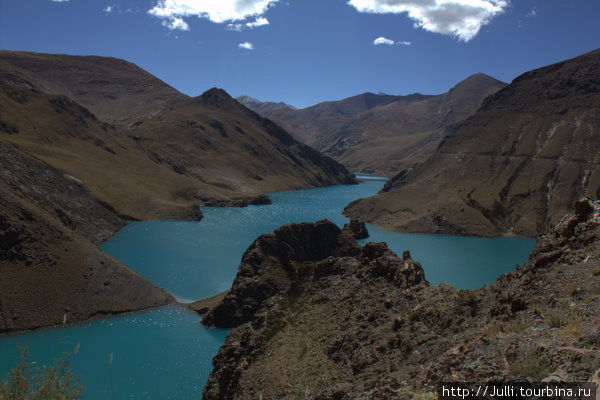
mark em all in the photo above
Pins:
pixel 357 229
pixel 368 325
pixel 515 167
pixel 274 264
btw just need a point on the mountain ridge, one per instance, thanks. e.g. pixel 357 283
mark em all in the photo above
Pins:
pixel 380 133
pixel 514 167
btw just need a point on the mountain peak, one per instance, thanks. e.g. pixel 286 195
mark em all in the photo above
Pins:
pixel 215 96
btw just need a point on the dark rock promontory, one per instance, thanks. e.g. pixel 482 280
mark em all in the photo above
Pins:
pixel 315 322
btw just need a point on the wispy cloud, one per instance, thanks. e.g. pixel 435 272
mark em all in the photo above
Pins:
pixel 108 9
pixel 246 46
pixel 220 11
pixel 389 42
pixel 532 13
pixel 260 21
pixel 460 18
pixel 60 1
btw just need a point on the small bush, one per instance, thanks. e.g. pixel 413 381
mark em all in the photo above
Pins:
pixel 531 365
pixel 558 319
pixel 596 272
pixel 56 382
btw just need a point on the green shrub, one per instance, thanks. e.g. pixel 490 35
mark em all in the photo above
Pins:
pixel 56 382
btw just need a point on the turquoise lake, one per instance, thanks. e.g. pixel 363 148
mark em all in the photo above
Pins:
pixel 166 353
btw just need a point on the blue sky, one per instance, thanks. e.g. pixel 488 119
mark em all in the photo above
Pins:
pixel 310 50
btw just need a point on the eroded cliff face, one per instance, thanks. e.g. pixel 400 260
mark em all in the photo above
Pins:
pixel 368 325
pixel 514 167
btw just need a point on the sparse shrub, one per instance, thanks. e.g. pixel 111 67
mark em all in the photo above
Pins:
pixel 56 382
pixel 571 329
pixel 596 272
pixel 557 319
pixel 532 365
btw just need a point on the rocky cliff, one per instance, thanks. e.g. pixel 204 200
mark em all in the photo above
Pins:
pixel 514 167
pixel 366 324
pixel 378 133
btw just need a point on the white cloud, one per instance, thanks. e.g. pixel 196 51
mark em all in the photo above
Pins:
pixel 532 13
pixel 108 9
pixel 460 18
pixel 260 21
pixel 176 23
pixel 218 11
pixel 60 1
pixel 246 45
pixel 389 42
pixel 383 40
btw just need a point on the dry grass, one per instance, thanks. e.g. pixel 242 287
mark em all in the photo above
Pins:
pixel 558 318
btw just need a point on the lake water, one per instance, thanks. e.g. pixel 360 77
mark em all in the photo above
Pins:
pixel 166 353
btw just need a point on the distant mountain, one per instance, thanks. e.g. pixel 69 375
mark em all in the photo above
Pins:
pixel 515 167
pixel 261 107
pixel 380 133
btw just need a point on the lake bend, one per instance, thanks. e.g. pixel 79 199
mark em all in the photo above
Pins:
pixel 166 353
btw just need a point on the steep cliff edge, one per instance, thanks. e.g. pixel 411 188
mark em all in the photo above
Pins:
pixel 368 325
pixel 514 167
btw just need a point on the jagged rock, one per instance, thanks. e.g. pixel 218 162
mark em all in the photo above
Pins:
pixel 357 229
pixel 298 263
pixel 274 263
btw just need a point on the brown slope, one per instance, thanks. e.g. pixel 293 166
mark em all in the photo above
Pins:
pixel 366 324
pixel 383 134
pixel 159 148
pixel 116 91
pixel 69 138
pixel 218 141
pixel 513 167
pixel 310 124
pixel 263 107
pixel 49 263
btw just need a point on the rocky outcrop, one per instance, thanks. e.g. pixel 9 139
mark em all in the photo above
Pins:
pixel 274 264
pixel 357 229
pixel 369 325
pixel 514 167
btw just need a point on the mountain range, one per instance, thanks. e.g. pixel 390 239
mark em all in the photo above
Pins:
pixel 514 167
pixel 379 133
